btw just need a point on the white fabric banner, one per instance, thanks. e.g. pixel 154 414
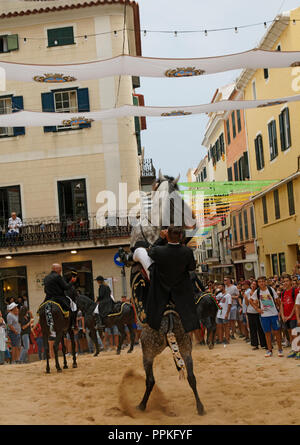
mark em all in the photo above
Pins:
pixel 149 67
pixel 37 119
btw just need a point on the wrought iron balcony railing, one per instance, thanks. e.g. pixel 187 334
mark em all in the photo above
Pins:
pixel 148 168
pixel 55 230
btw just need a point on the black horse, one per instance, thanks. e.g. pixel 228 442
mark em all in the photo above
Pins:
pixel 122 316
pixel 62 325
pixel 207 311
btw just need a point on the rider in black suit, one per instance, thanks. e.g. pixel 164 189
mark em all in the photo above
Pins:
pixel 170 281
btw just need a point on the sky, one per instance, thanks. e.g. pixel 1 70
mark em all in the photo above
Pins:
pixel 174 144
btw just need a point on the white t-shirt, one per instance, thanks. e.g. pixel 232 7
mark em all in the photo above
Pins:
pixel 250 308
pixel 266 302
pixel 298 299
pixel 233 291
pixel 244 306
pixel 224 302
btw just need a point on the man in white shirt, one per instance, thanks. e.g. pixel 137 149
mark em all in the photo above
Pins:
pixel 223 326
pixel 14 225
pixel 234 292
pixel 266 302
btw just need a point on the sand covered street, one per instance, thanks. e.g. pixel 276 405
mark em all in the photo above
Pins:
pixel 235 384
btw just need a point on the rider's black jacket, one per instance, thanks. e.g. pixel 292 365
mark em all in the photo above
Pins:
pixel 55 287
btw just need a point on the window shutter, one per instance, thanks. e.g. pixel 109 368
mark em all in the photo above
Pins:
pixel 246 165
pixel 12 42
pixel 261 151
pixel 229 174
pixel 257 154
pixel 48 106
pixel 281 129
pixel 288 127
pixel 236 171
pixel 83 103
pixel 17 104
pixel 63 36
pixel 270 140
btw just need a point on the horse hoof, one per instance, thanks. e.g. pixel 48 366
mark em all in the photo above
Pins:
pixel 74 365
pixel 96 355
pixel 66 367
pixel 141 407
pixel 200 409
pixel 129 351
pixel 59 370
pixel 118 352
pixel 210 346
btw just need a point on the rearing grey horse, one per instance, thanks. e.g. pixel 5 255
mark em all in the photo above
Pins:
pixel 164 211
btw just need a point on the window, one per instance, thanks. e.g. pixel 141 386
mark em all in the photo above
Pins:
pixel 241 227
pixel 72 200
pixel 253 233
pixel 282 265
pixel 241 169
pixel 238 118
pixel 276 204
pixel 291 200
pixel 266 73
pixel 228 131
pixel 234 229
pixel 60 36
pixel 246 171
pixel 273 140
pixel 254 90
pixel 13 282
pixel 229 174
pixel 275 264
pixel 233 124
pixel 265 210
pixel 285 129
pixel 278 48
pixel 10 201
pixel 204 173
pixel 218 150
pixel 259 152
pixel 67 101
pixel 11 104
pixel 9 43
pixel 246 224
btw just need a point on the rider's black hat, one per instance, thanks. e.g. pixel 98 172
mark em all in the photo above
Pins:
pixel 99 278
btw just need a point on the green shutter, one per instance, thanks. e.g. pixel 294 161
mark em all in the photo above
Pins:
pixel 12 42
pixel 63 36
pixel 288 127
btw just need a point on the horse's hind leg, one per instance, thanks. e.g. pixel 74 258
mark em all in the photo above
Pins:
pixel 63 347
pixel 132 337
pixel 46 349
pixel 150 382
pixel 192 380
pixel 71 332
pixel 122 336
pixel 55 349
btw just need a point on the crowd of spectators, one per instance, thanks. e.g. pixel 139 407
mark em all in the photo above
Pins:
pixel 264 311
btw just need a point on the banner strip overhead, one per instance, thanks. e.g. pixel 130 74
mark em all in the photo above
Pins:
pixel 149 67
pixel 24 118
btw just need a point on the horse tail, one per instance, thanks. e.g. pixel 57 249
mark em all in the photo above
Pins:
pixel 172 342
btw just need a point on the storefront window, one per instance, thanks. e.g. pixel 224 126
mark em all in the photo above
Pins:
pixel 13 284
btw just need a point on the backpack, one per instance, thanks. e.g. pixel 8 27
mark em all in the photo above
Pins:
pixel 293 294
pixel 271 290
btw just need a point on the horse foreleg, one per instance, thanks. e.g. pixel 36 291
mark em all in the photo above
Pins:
pixel 71 333
pixel 63 347
pixel 93 335
pixel 192 381
pixel 55 349
pixel 150 382
pixel 132 337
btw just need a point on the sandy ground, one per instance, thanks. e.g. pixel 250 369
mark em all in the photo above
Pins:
pixel 236 386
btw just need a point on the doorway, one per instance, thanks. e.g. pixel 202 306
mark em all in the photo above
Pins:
pixel 13 283
pixel 85 276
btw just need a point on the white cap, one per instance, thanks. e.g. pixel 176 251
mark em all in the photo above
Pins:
pixel 11 306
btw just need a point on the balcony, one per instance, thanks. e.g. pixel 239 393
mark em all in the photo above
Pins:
pixel 48 232
pixel 148 172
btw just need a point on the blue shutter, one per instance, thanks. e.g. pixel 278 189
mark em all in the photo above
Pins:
pixel 83 103
pixel 48 107
pixel 18 104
